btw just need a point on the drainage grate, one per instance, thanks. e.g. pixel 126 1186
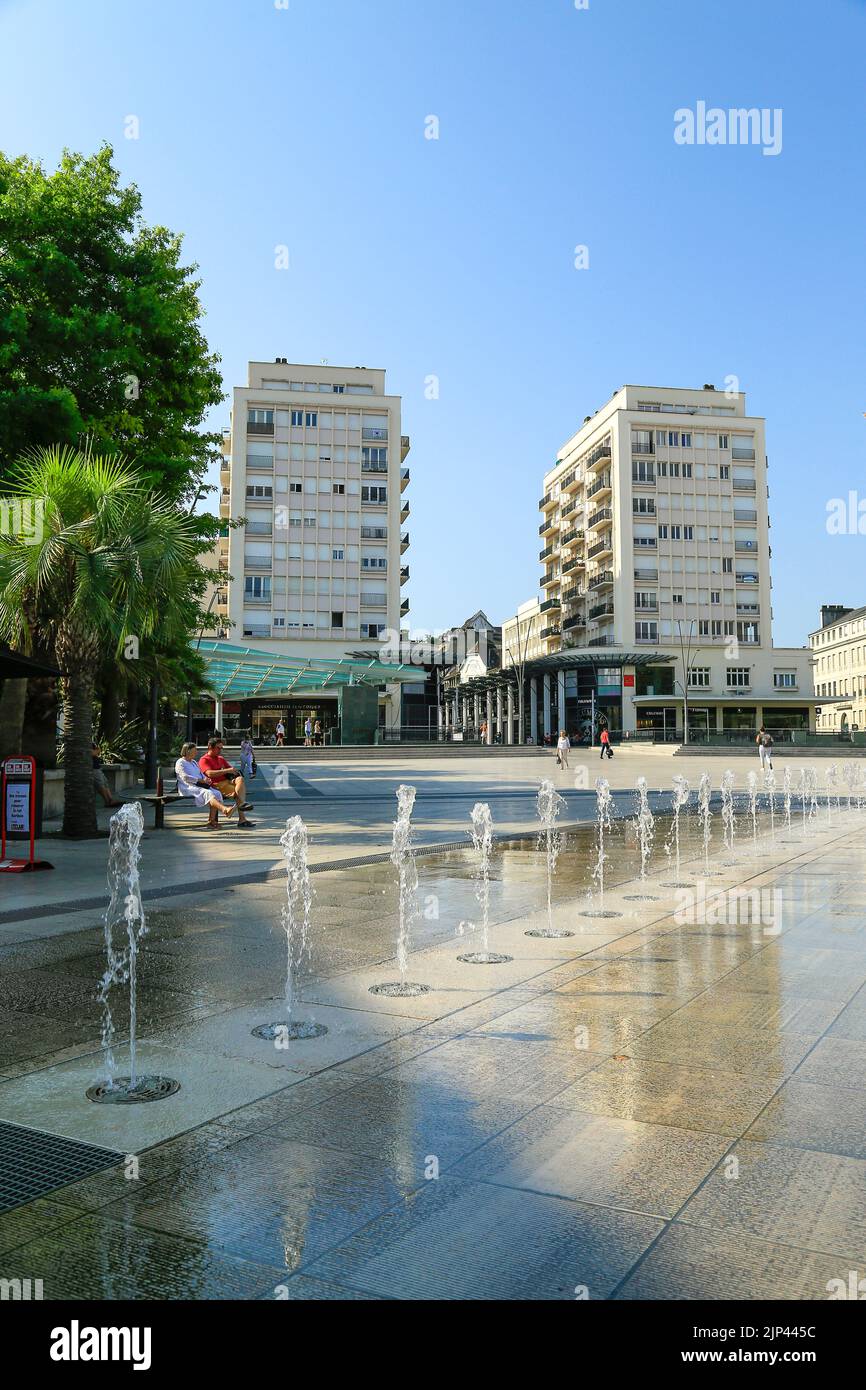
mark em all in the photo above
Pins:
pixel 33 1163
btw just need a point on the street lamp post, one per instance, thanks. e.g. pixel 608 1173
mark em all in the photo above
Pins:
pixel 688 654
pixel 520 667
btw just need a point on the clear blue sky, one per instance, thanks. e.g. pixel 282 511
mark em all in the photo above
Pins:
pixel 305 126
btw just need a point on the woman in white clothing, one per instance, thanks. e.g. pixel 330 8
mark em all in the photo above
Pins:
pixel 192 783
pixel 563 748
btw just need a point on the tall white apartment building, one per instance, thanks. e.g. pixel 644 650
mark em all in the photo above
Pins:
pixel 315 462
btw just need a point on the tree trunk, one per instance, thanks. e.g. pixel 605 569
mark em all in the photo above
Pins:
pixel 79 797
pixel 12 703
pixel 110 705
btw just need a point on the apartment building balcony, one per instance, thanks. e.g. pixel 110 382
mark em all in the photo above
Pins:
pixel 745 545
pixel 570 483
pixel 602 547
pixel 257 629
pixel 549 604
pixel 601 610
pixel 404 479
pixel 599 487
pixel 260 566
pixel 404 575
pixel 573 594
pixel 552 631
pixel 601 580
pixel 743 484
pixel 225 473
pixel 376 533
pixel 404 541
pixel 603 517
pixel 548 578
pixel 260 428
pixel 601 642
pixel 226 442
pixel 599 456
pixel 374 436
pixel 575 621
pixel 571 565
pixel 646 576
pixel 225 511
pixel 741 454
pixel 748 610
pixel 404 608
pixel 404 511
pixel 548 550
pixel 260 528
pixel 570 507
pixel 648 448
pixel 548 526
pixel 369 467
pixel 548 500
pixel 571 537
pixel 405 446
pixel 746 578
pixel 748 515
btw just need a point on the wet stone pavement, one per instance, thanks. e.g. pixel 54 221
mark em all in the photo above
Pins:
pixel 666 1104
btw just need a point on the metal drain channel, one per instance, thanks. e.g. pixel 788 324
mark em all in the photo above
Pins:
pixel 33 1163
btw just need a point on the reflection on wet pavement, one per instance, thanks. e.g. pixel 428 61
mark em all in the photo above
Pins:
pixel 567 1118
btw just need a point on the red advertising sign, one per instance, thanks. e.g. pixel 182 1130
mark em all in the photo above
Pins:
pixel 20 812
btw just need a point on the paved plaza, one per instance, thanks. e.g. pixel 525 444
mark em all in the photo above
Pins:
pixel 665 1104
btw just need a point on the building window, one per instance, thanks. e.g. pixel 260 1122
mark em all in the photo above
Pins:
pixel 715 596
pixel 727 565
pixel 336 619
pixel 645 631
pixel 257 586
pixel 663 532
pixel 676 598
pixel 673 439
pixel 724 470
pixel 687 470
pixel 676 533
pixel 374 494
pixel 260 417
pixel 738 677
pixel 785 680
pixel 723 441
pixel 643 506
pixel 688 533
pixel 311 419
pixel 687 444
pixel 339 489
pixel 642 471
pixel 337 555
pixel 699 677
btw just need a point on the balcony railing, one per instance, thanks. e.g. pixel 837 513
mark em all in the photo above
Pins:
pixel 550 603
pixel 646 576
pixel 744 484
pixel 547 500
pixel 598 455
pixel 404 575
pixel 749 610
pixel 405 446
pixel 637 448
pixel 576 564
pixel 404 478
pixel 600 518
pixel 258 565
pixel 573 594
pixel 548 550
pixel 601 642
pixel 569 507
pixel 377 467
pixel 651 606
pixel 601 484
pixel 569 537
pixel 747 514
pixel 260 427
pixel 577 621
pixel 374 533
pixel 601 610
pixel 404 541
pixel 598 581
pixel 552 631
pixel 598 549
pixel 745 545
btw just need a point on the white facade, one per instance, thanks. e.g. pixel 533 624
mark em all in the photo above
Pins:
pixel 314 462
pixel 838 651
pixel 521 635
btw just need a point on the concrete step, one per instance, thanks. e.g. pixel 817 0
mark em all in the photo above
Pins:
pixel 398 751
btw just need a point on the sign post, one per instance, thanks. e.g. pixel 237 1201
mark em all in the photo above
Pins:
pixel 21 812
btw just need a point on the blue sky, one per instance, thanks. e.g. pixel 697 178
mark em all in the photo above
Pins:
pixel 454 257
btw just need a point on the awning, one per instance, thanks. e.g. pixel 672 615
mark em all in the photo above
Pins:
pixel 237 673
pixel 14 666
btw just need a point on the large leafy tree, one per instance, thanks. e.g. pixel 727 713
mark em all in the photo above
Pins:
pixel 115 570
pixel 99 325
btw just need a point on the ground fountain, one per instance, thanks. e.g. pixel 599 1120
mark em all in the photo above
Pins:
pixel 672 844
pixel 296 925
pixel 770 790
pixel 125 925
pixel 603 828
pixel 812 777
pixel 729 824
pixel 752 783
pixel 786 796
pixel 403 859
pixel 849 773
pixel 482 843
pixel 832 789
pixel 550 806
pixel 645 831
pixel 705 815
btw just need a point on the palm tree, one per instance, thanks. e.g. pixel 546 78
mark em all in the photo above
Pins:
pixel 115 567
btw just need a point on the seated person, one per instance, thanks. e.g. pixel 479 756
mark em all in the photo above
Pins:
pixel 192 782
pixel 100 781
pixel 225 779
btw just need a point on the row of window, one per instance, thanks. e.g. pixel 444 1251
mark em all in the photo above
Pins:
pixel 327 387
pixel 648 631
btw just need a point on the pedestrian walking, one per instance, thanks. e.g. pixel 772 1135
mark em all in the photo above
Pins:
pixel 563 747
pixel 317 733
pixel 605 743
pixel 247 759
pixel 308 732
pixel 281 734
pixel 765 749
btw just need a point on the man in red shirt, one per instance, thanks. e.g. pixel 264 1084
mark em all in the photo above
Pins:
pixel 226 779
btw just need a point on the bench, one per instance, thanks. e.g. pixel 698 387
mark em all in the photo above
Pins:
pixel 159 804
